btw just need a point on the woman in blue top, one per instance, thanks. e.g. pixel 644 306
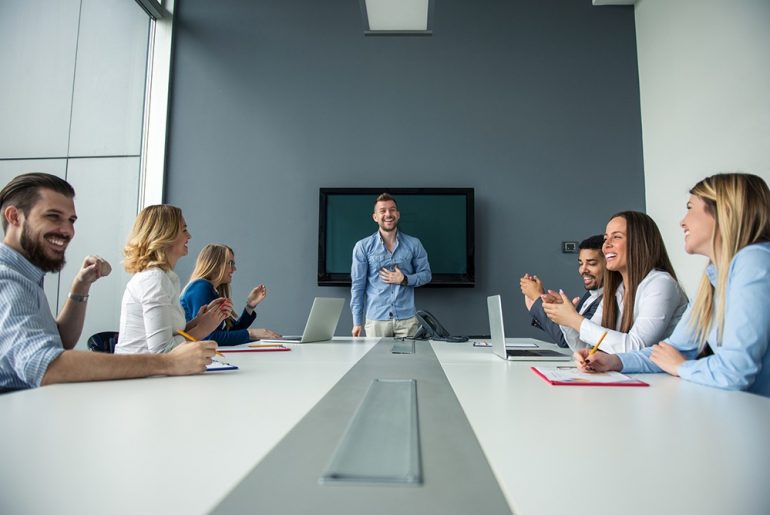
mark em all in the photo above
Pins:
pixel 210 280
pixel 728 221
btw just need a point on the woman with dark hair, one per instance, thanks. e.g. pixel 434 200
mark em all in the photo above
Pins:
pixel 642 300
pixel 728 221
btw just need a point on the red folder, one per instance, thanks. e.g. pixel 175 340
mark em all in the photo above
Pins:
pixel 260 349
pixel 580 382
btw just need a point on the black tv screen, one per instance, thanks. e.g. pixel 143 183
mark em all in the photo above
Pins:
pixel 442 218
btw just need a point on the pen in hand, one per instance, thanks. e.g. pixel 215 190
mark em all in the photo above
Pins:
pixel 190 338
pixel 596 347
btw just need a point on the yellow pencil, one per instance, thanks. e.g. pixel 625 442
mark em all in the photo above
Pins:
pixel 596 347
pixel 190 338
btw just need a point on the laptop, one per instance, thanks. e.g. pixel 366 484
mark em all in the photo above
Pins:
pixel 321 323
pixel 532 352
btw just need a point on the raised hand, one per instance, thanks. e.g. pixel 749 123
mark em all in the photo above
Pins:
pixel 211 316
pixel 92 269
pixel 256 296
pixel 531 286
pixel 563 311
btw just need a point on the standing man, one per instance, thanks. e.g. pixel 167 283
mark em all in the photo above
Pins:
pixel 38 218
pixel 591 268
pixel 387 267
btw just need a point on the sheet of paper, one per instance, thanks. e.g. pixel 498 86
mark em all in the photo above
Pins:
pixel 571 375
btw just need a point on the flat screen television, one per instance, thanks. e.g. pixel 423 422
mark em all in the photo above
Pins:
pixel 442 218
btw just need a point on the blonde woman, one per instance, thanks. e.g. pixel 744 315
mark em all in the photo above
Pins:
pixel 211 280
pixel 150 313
pixel 723 338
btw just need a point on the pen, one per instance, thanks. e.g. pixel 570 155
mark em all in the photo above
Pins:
pixel 189 338
pixel 596 347
pixel 255 345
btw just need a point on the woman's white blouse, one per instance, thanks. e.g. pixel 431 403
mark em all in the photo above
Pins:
pixel 658 305
pixel 150 313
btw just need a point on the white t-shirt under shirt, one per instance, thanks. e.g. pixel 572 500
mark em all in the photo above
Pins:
pixel 658 305
pixel 150 313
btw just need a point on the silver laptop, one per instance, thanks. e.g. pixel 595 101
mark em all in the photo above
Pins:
pixel 321 323
pixel 495 308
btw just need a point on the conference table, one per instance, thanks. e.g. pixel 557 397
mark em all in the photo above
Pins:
pixel 494 438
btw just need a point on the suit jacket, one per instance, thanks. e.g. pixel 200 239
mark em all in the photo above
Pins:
pixel 541 320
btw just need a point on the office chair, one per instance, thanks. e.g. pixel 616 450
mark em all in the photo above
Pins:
pixel 103 342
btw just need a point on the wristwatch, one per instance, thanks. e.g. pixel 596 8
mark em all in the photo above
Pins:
pixel 77 298
pixel 404 282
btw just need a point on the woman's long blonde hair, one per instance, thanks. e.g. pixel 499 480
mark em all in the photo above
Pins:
pixel 211 265
pixel 740 205
pixel 155 229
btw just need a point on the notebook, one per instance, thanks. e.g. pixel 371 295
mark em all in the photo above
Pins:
pixel 321 322
pixel 495 309
pixel 570 376
pixel 219 365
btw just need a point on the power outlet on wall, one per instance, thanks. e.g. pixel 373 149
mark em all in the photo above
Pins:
pixel 569 247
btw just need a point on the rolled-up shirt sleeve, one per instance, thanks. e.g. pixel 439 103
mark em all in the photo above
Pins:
pixel 29 338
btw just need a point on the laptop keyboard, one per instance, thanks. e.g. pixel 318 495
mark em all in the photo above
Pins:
pixel 534 352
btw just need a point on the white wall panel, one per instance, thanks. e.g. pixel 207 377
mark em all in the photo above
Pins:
pixel 110 79
pixel 106 199
pixel 37 57
pixel 704 83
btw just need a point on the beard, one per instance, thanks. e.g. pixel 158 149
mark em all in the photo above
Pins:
pixel 32 246
pixel 594 284
pixel 389 229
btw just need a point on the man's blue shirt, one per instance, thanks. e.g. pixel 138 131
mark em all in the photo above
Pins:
pixel 386 301
pixel 29 336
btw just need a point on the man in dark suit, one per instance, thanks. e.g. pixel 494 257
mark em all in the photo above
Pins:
pixel 590 267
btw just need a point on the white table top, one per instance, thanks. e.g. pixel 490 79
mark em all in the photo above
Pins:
pixel 181 444
pixel 673 447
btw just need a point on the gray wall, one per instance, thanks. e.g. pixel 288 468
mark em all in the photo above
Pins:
pixel 533 103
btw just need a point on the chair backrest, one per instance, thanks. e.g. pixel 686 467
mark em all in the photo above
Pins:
pixel 103 342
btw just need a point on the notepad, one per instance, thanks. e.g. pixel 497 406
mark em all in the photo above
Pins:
pixel 220 365
pixel 254 347
pixel 570 376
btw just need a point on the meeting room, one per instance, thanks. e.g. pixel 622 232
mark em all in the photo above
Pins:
pixel 385 256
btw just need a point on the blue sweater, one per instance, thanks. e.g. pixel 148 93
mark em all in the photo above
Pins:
pixel 199 293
